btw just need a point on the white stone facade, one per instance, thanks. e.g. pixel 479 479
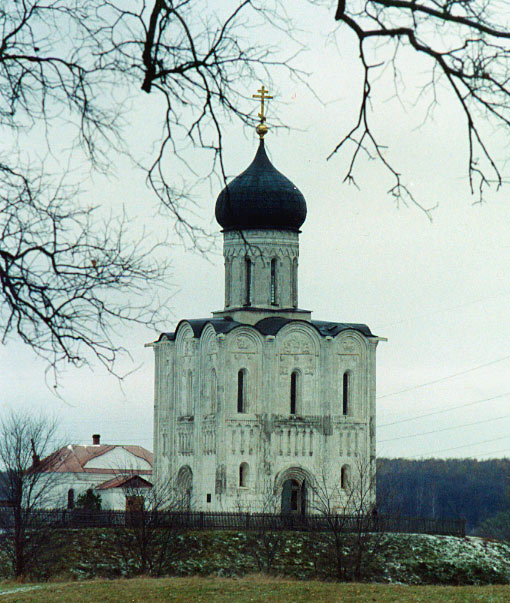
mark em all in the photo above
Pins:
pixel 273 257
pixel 261 397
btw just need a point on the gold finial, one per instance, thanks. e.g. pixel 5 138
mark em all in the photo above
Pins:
pixel 261 127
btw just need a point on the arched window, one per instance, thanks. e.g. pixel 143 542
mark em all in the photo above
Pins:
pixel 241 390
pixel 243 475
pixel 294 391
pixel 70 499
pixel 346 393
pixel 344 477
pixel 273 282
pixel 228 281
pixel 189 394
pixel 294 283
pixel 247 275
pixel 214 390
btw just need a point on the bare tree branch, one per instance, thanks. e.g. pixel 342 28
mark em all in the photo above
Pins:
pixel 466 45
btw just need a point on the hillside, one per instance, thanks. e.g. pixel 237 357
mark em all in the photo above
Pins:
pixel 394 558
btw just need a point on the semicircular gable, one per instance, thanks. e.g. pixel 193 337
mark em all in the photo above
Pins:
pixel 298 338
pixel 351 342
pixel 244 339
pixel 183 332
pixel 208 342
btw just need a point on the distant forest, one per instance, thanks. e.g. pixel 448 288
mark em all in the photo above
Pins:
pixel 436 488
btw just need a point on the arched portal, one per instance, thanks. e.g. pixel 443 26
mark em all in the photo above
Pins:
pixel 292 485
pixel 185 486
pixel 294 497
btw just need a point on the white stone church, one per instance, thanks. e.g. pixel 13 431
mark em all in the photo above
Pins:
pixel 260 398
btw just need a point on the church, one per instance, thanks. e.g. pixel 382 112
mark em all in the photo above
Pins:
pixel 257 401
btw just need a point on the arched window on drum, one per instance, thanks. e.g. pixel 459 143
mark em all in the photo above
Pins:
pixel 274 290
pixel 294 283
pixel 247 283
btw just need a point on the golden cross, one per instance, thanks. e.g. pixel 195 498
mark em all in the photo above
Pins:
pixel 262 95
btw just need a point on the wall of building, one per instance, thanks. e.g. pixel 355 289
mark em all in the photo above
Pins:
pixel 199 428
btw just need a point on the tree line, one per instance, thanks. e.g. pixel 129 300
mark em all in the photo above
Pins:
pixel 444 488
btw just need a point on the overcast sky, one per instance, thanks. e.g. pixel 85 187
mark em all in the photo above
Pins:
pixel 439 291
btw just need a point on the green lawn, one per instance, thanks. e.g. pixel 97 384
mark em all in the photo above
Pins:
pixel 252 588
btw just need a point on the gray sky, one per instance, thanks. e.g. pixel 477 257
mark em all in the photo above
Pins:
pixel 439 291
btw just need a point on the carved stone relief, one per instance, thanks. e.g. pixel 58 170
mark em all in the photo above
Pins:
pixel 349 345
pixel 245 344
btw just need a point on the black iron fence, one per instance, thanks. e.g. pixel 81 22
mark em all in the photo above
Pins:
pixel 198 520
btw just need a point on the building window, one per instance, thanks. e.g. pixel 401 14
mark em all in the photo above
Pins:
pixel 243 475
pixel 346 394
pixel 294 285
pixel 228 280
pixel 273 282
pixel 241 390
pixel 247 285
pixel 189 394
pixel 208 498
pixel 344 477
pixel 214 390
pixel 70 499
pixel 294 391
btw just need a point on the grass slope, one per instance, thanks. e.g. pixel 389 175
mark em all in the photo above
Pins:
pixel 253 588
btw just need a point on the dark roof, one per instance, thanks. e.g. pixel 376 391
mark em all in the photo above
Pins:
pixel 261 197
pixel 220 325
pixel 333 328
pixel 268 326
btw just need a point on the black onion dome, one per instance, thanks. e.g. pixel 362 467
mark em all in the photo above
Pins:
pixel 261 197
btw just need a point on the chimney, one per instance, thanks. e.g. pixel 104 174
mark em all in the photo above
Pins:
pixel 96 439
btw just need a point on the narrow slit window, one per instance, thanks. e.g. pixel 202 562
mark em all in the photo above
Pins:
pixel 189 409
pixel 228 280
pixel 346 394
pixel 293 392
pixel 241 391
pixel 344 477
pixel 214 390
pixel 247 301
pixel 294 287
pixel 273 282
pixel 243 475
